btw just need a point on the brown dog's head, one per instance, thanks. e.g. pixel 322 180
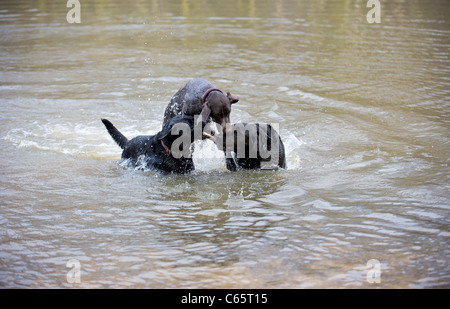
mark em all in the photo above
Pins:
pixel 217 105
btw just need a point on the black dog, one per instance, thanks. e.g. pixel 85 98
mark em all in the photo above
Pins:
pixel 199 97
pixel 255 146
pixel 156 151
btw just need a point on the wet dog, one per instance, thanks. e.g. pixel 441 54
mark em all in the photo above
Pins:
pixel 199 97
pixel 168 151
pixel 253 146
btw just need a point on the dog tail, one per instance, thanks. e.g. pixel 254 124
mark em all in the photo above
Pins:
pixel 118 137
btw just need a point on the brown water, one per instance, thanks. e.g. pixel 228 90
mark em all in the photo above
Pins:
pixel 363 111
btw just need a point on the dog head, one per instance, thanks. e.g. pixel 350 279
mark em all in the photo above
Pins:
pixel 217 105
pixel 178 134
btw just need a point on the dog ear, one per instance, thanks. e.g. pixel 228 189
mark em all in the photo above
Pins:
pixel 233 98
pixel 204 115
pixel 166 131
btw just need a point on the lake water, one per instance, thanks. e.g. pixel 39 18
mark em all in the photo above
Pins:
pixel 363 110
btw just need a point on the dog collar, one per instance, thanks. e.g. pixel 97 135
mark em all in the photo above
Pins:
pixel 167 149
pixel 208 92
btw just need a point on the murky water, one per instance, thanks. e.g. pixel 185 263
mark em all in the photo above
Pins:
pixel 363 111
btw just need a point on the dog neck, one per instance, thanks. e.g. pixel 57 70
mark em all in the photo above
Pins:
pixel 207 92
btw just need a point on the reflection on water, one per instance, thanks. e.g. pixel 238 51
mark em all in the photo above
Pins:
pixel 362 110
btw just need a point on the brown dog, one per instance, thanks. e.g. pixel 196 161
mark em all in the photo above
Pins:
pixel 199 97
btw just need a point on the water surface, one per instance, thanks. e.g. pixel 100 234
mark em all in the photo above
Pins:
pixel 363 112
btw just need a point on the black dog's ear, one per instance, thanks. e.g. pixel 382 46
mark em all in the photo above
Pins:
pixel 166 130
pixel 163 134
pixel 233 98
pixel 183 123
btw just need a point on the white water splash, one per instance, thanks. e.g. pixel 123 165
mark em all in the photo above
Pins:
pixel 207 156
pixel 93 141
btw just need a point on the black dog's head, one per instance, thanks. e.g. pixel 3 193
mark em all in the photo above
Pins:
pixel 178 134
pixel 217 105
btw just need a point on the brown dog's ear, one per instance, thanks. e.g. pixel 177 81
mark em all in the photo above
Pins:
pixel 233 98
pixel 204 115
